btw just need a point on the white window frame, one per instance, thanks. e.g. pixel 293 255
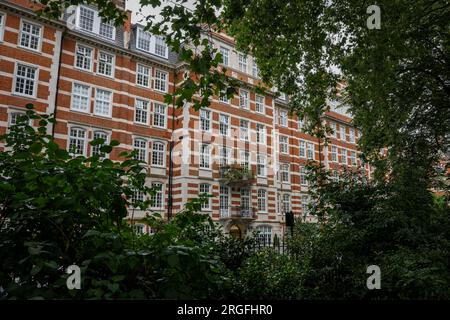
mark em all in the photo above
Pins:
pixel 84 139
pixel 21 32
pixel 224 154
pixel 224 200
pixel 351 135
pixel 205 156
pixel 342 133
pixel 259 104
pixel 242 62
pixel 334 129
pixel 244 99
pixel 244 159
pixel 158 155
pixel 286 202
pixel 157 42
pixel 284 144
pixel 201 189
pixel 300 124
pixel 310 151
pixel 159 82
pixel 75 95
pixel 97 21
pixel 265 233
pixel 141 33
pixel 141 149
pixel 302 148
pixel 144 74
pixel 160 194
pixel 334 154
pixel 110 64
pixel 224 99
pixel 91 64
pixel 157 115
pixel 353 158
pixel 141 107
pixel 35 80
pixel 303 179
pixel 244 131
pixel 225 55
pixel 262 200
pixel 261 165
pixel 2 25
pixel 284 173
pixel 12 117
pixel 283 118
pixel 224 126
pixel 261 134
pixel 107 139
pixel 343 154
pixel 108 25
pixel 13 113
pixel 205 122
pixel 255 70
pixel 103 101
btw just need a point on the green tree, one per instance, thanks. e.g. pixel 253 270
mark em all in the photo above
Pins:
pixel 57 210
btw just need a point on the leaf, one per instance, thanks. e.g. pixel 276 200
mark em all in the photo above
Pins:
pixel 173 260
pixel 114 143
pixel 36 147
pixel 35 269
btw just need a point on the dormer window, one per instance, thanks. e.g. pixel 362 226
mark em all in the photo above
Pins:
pixel 152 44
pixel 160 47
pixel 89 20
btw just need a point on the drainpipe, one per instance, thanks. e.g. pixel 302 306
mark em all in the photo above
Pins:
pixel 170 200
pixel 57 81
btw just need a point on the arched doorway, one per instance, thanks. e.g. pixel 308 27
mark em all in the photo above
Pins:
pixel 235 231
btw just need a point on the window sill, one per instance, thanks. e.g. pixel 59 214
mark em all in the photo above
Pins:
pixel 84 70
pixel 112 77
pixel 33 97
pixel 79 111
pixel 37 51
pixel 142 86
pixel 102 116
pixel 141 124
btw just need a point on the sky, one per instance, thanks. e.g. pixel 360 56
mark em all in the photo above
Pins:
pixel 134 6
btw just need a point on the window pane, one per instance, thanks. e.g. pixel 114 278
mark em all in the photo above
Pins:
pixel 80 97
pixel 25 82
pixel 159 116
pixel 30 35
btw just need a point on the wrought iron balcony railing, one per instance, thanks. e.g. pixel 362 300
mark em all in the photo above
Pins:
pixel 237 213
pixel 236 175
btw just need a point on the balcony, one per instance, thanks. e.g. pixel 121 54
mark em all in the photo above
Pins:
pixel 236 175
pixel 238 213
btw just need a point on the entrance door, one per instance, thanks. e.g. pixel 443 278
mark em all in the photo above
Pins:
pixel 235 231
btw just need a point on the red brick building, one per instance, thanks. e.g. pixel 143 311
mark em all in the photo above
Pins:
pixel 110 82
